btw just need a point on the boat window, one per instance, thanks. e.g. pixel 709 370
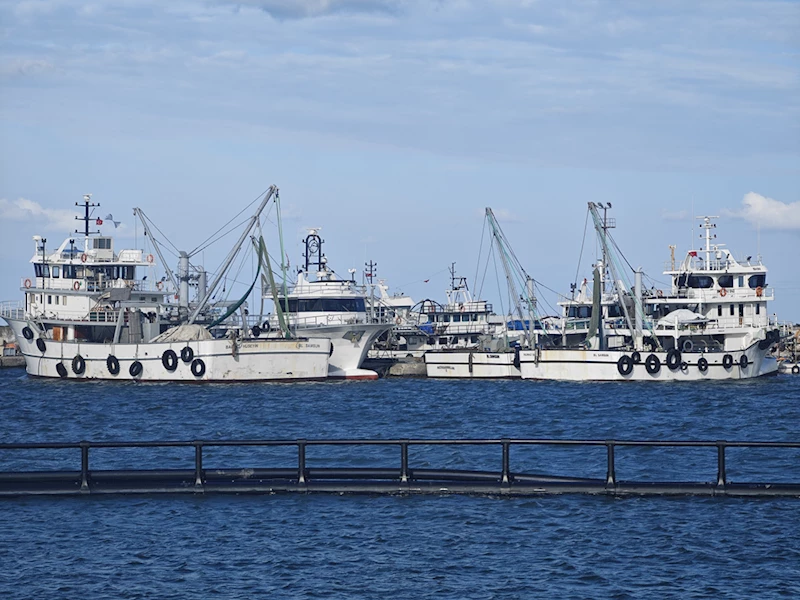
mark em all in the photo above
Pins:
pixel 580 312
pixel 719 310
pixel 49 299
pixel 456 318
pixel 102 243
pixel 446 318
pixel 759 280
pixel 56 271
pixel 741 281
pixel 758 308
pixel 732 310
pixel 614 310
pixel 741 310
pixel 700 281
pixel 473 339
pixel 725 281
pixel 68 272
pixel 681 280
pixel 42 270
pixel 324 305
pixel 443 341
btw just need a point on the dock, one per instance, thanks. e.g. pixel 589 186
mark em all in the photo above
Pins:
pixel 394 472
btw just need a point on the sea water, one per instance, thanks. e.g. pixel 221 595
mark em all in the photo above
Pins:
pixel 342 546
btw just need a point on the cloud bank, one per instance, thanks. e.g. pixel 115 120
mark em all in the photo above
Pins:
pixel 24 210
pixel 769 213
pixel 299 9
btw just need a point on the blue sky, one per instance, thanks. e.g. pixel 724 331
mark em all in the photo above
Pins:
pixel 393 123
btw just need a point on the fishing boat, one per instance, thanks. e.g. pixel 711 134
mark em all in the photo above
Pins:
pixel 712 324
pixel 94 312
pixel 320 304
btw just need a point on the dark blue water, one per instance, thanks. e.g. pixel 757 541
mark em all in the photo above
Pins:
pixel 309 546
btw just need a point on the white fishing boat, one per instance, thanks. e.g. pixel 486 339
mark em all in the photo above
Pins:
pixel 93 312
pixel 322 305
pixel 712 324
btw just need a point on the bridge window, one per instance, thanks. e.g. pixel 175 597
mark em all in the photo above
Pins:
pixel 758 308
pixel 56 271
pixel 732 310
pixel 719 310
pixel 725 281
pixel 324 305
pixel 759 280
pixel 101 243
pixel 700 281
pixel 42 270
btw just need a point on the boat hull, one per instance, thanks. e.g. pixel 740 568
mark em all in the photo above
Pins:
pixel 603 365
pixel 472 365
pixel 217 360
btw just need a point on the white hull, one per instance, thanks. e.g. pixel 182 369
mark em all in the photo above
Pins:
pixel 350 346
pixel 602 365
pixel 471 365
pixel 211 361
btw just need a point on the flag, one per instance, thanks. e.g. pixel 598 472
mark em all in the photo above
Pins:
pixel 99 221
pixel 692 253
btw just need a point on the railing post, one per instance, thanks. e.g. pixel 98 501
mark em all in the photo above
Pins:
pixel 404 461
pixel 506 461
pixel 84 466
pixel 198 464
pixel 301 462
pixel 721 475
pixel 611 474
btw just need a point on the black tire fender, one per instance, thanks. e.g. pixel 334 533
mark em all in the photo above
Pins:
pixel 61 370
pixel 41 345
pixel 744 361
pixel 652 364
pixel 702 364
pixel 135 369
pixel 187 354
pixel 625 365
pixel 27 333
pixel 170 360
pixel 78 365
pixel 727 361
pixel 198 367
pixel 673 359
pixel 112 364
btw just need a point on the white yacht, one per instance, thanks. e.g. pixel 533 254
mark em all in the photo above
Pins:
pixel 712 324
pixel 92 311
pixel 319 304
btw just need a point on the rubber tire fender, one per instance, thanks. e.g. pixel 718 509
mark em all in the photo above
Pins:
pixel 170 360
pixel 41 345
pixel 61 370
pixel 187 354
pixel 702 364
pixel 652 364
pixel 27 333
pixel 78 365
pixel 256 331
pixel 796 370
pixel 673 359
pixel 727 361
pixel 636 357
pixel 744 361
pixel 112 364
pixel 625 365
pixel 198 367
pixel 135 369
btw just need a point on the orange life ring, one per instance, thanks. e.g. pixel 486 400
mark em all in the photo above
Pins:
pixel 160 285
pixel 28 284
pixel 398 320
pixel 759 291
pixel 84 257
pixel 723 292
pixel 76 286
pixel 150 258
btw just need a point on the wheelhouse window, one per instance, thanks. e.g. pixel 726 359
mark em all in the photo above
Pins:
pixel 41 270
pixel 614 310
pixel 580 312
pixel 756 281
pixel 101 243
pixel 324 305
pixel 700 281
pixel 725 281
pixel 56 271
pixel 719 310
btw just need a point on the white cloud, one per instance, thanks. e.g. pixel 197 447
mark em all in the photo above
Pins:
pixel 24 210
pixel 298 9
pixel 769 213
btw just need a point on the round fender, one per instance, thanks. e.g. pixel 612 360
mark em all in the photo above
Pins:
pixel 136 368
pixel 625 365
pixel 673 359
pixel 636 357
pixel 61 370
pixel 170 360
pixel 78 365
pixel 796 370
pixel 652 364
pixel 41 345
pixel 256 331
pixel 198 367
pixel 112 364
pixel 702 364
pixel 727 361
pixel 27 333
pixel 187 354
pixel 744 361
pixel 687 346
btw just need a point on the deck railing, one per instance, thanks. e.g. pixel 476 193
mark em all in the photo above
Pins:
pixel 403 477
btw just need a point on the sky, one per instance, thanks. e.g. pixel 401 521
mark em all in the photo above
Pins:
pixel 392 124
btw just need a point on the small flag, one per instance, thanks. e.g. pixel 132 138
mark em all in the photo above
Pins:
pixel 99 221
pixel 692 253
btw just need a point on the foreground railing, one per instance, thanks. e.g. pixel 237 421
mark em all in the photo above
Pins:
pixel 403 477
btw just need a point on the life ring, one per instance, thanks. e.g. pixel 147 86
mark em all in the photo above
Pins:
pixel 652 364
pixel 723 292
pixel 187 354
pixel 759 291
pixel 84 257
pixel 625 365
pixel 256 331
pixel 744 361
pixel 170 360
pixel 28 283
pixel 397 320
pixel 660 293
pixel 136 368
pixel 150 258
pixel 636 357
pixel 76 286
pixel 27 333
pixel 160 285
pixel 112 363
pixel 61 370
pixel 78 365
pixel 687 345
pixel 702 364
pixel 41 345
pixel 727 361
pixel 673 359
pixel 796 370
pixel 198 367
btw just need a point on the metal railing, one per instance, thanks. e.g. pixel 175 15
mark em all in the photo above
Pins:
pixel 403 477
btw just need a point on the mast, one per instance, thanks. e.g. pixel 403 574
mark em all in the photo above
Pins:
pixel 232 255
pixel 87 204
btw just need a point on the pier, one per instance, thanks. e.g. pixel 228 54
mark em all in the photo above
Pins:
pixel 395 472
